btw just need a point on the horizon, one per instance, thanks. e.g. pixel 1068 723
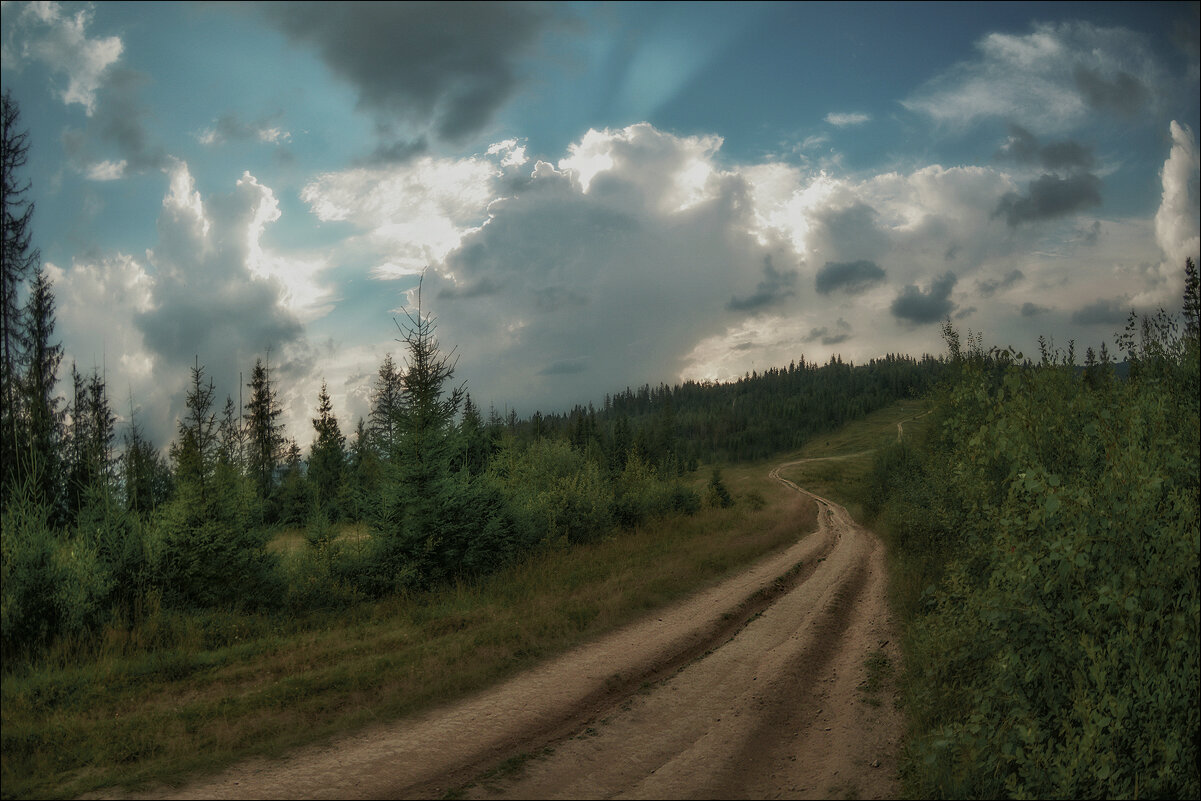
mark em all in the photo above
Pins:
pixel 598 196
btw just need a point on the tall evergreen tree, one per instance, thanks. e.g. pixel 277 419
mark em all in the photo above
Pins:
pixel 195 452
pixel 18 259
pixel 427 414
pixel 79 476
pixel 43 413
pixel 387 399
pixel 327 461
pixel 295 493
pixel 89 439
pixel 101 428
pixel 146 478
pixel 264 434
pixel 231 439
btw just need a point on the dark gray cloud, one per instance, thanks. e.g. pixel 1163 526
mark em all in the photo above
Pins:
pixel 1101 312
pixel 775 286
pixel 1123 93
pixel 117 122
pixel 1033 309
pixel 483 287
pixel 841 333
pixel 565 367
pixel 1023 147
pixel 915 306
pixel 968 312
pixel 398 150
pixel 1050 196
pixel 990 287
pixel 852 277
pixel 849 233
pixel 449 66
pixel 556 297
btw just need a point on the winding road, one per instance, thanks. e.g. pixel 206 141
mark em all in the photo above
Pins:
pixel 756 688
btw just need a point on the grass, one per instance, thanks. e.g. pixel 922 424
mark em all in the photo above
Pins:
pixel 201 692
pixel 846 455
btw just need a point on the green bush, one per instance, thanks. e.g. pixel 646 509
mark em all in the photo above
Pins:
pixel 1061 645
pixel 52 585
pixel 554 491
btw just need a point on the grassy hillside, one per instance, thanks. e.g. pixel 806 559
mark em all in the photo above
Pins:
pixel 842 462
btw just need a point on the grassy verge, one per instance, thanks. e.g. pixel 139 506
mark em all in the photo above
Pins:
pixel 183 695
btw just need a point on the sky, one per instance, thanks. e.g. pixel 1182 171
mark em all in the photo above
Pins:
pixel 593 196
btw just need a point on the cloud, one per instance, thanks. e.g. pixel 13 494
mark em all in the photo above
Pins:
pixel 442 68
pixel 852 277
pixel 211 289
pixel 1050 196
pixel 1102 312
pixel 1121 93
pixel 918 307
pixel 565 367
pixel 118 122
pixel 231 128
pixel 990 286
pixel 1176 223
pixel 636 240
pixel 844 119
pixel 414 212
pixel 45 32
pixel 1033 309
pixel 1023 148
pixel 95 79
pixel 1046 80
pixel 840 334
pixel 775 287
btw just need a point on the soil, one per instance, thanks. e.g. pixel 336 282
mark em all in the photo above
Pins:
pixel 757 688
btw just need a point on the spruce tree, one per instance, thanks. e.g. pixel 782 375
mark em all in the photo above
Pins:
pixel 327 460
pixel 44 416
pixel 18 259
pixel 264 434
pixel 386 402
pixel 146 478
pixel 195 453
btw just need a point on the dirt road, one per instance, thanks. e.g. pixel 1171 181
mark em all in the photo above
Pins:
pixel 757 688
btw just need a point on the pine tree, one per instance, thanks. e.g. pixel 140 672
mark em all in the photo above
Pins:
pixel 295 492
pixel 231 438
pixel 146 478
pixel 426 418
pixel 264 434
pixel 476 445
pixel 18 259
pixel 195 453
pixel 101 429
pixel 386 402
pixel 43 413
pixel 327 460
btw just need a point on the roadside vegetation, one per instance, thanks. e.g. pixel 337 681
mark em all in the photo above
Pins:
pixel 1045 542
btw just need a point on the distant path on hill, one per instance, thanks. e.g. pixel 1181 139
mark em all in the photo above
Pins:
pixel 756 688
